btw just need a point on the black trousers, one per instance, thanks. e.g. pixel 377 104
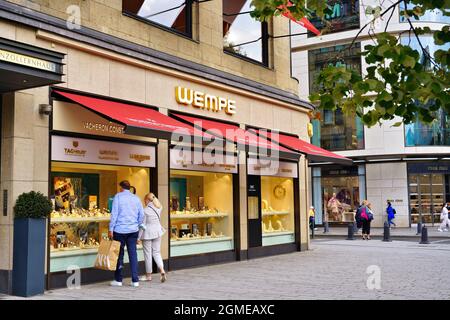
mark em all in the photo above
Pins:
pixel 365 226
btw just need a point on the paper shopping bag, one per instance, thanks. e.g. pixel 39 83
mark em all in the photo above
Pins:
pixel 107 256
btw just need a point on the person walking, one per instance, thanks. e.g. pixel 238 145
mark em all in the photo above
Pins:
pixel 390 214
pixel 126 215
pixel 444 218
pixel 366 219
pixel 151 235
pixel 358 215
pixel 312 214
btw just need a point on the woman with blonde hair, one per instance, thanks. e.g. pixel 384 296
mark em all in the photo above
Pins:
pixel 150 235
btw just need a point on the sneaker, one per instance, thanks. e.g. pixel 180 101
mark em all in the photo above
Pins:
pixel 134 284
pixel 163 277
pixel 446 230
pixel 115 283
pixel 440 230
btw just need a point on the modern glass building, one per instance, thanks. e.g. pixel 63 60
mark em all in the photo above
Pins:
pixel 407 165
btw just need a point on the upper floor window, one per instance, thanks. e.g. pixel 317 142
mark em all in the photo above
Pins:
pixel 319 59
pixel 243 35
pixel 429 15
pixel 344 16
pixel 436 133
pixel 175 15
pixel 338 132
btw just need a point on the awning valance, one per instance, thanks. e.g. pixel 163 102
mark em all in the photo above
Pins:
pixel 138 120
pixel 312 152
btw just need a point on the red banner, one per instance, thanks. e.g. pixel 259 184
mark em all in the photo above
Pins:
pixel 303 21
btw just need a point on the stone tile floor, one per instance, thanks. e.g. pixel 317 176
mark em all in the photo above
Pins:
pixel 332 269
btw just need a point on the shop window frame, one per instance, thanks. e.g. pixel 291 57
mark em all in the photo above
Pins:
pixel 313 177
pixel 188 25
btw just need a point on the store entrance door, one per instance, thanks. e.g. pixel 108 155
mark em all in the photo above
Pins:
pixel 427 194
pixel 254 211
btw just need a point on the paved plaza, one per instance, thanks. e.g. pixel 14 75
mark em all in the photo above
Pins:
pixel 333 269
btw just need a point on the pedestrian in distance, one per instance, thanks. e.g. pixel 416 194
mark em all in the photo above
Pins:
pixel 358 219
pixel 366 220
pixel 444 218
pixel 151 235
pixel 312 218
pixel 390 214
pixel 126 215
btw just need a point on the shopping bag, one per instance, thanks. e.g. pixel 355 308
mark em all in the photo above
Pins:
pixel 107 256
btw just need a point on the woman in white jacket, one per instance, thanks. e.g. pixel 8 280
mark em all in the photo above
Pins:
pixel 444 218
pixel 151 235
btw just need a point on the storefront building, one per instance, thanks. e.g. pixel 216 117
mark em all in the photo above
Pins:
pixel 109 109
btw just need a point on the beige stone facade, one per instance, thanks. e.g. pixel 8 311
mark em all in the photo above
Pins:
pixel 94 70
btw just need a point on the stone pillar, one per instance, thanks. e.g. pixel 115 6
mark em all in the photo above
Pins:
pixel 24 163
pixel 304 203
pixel 163 190
pixel 242 159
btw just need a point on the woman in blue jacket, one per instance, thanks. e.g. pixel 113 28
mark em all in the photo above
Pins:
pixel 390 214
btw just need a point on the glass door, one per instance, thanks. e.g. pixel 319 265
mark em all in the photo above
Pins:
pixel 426 196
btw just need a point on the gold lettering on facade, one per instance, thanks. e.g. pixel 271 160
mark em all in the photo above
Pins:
pixel 140 157
pixel 204 101
pixel 28 61
pixel 108 128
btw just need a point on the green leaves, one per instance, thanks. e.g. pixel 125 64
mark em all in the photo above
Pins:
pixel 396 83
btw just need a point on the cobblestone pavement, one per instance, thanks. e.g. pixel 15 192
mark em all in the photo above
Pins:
pixel 333 269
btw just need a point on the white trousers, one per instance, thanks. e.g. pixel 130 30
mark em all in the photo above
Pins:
pixel 444 223
pixel 152 249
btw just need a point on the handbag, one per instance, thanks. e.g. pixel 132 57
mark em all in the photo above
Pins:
pixel 369 215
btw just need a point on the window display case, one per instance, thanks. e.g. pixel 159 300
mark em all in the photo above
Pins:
pixel 277 204
pixel 201 212
pixel 82 196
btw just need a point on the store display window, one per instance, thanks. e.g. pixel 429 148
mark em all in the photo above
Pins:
pixel 277 203
pixel 201 212
pixel 337 193
pixel 82 195
pixel 271 201
pixel 201 203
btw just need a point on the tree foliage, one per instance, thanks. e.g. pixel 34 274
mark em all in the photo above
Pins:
pixel 397 83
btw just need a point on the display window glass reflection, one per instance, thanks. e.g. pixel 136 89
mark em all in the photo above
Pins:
pixel 171 14
pixel 82 196
pixel 277 203
pixel 201 212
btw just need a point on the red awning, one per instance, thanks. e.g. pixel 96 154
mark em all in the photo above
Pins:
pixel 140 121
pixel 311 151
pixel 247 138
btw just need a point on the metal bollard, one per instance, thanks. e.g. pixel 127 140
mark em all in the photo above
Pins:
pixel 387 233
pixel 325 227
pixel 419 228
pixel 424 237
pixel 350 232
